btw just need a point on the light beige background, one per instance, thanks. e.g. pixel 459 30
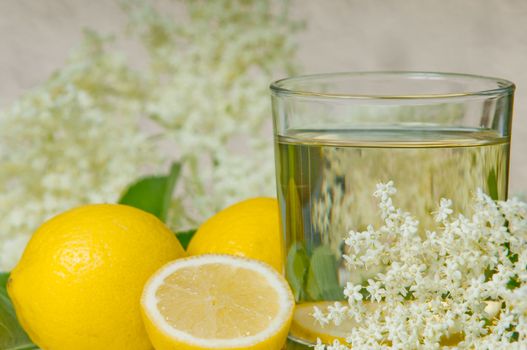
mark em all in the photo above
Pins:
pixel 487 37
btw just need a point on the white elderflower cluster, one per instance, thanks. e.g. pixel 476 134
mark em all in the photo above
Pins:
pixel 73 140
pixel 461 286
pixel 211 97
pixel 87 133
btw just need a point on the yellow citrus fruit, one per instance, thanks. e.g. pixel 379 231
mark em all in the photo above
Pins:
pixel 249 228
pixel 79 281
pixel 305 328
pixel 217 302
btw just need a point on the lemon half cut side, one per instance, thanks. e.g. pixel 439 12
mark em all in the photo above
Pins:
pixel 217 302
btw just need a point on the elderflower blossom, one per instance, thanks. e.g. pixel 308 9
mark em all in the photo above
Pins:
pixel 465 280
pixel 81 136
pixel 73 140
pixel 212 73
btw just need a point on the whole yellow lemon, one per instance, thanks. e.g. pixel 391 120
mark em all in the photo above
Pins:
pixel 79 281
pixel 249 228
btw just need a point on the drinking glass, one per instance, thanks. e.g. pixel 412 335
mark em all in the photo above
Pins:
pixel 435 135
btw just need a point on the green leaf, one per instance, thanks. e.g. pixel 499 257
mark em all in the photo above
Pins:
pixel 513 283
pixel 154 193
pixel 492 184
pixel 4 277
pixel 296 269
pixel 185 237
pixel 322 278
pixel 12 336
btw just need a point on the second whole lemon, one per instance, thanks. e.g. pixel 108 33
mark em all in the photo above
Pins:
pixel 249 228
pixel 79 281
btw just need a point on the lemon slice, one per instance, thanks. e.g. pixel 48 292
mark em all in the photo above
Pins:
pixel 217 302
pixel 306 329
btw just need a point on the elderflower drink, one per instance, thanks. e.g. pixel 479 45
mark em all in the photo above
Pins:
pixel 326 178
pixel 338 135
pixel 334 172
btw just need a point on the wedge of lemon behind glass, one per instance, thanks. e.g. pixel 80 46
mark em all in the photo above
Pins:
pixel 217 302
pixel 305 328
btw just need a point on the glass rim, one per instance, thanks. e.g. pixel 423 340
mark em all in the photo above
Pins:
pixel 503 87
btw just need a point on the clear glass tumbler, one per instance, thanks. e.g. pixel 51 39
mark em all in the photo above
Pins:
pixel 338 135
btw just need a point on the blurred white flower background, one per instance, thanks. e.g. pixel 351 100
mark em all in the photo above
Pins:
pixel 97 124
pixel 84 114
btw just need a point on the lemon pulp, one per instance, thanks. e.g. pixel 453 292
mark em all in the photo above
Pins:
pixel 217 302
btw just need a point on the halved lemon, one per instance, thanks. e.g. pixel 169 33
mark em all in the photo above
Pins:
pixel 217 302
